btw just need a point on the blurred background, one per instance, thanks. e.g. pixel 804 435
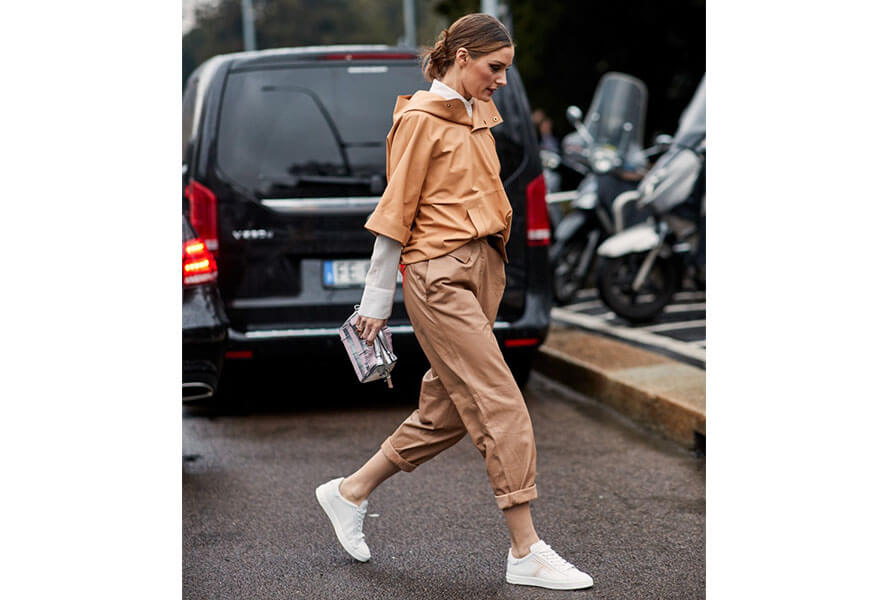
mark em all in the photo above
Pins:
pixel 563 47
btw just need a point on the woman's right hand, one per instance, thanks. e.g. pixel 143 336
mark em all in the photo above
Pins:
pixel 368 328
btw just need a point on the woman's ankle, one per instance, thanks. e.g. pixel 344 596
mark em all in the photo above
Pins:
pixel 520 552
pixel 351 492
pixel 522 549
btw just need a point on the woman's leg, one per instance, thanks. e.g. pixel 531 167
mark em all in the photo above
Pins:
pixel 520 529
pixel 360 484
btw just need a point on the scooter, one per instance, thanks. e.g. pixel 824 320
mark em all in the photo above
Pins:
pixel 606 149
pixel 644 265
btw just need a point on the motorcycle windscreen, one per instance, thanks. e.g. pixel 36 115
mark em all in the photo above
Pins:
pixel 616 115
pixel 692 123
pixel 671 180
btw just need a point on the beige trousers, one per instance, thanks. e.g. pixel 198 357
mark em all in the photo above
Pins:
pixel 452 302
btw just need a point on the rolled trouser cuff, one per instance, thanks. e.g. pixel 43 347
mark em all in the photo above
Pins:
pixel 390 453
pixel 515 498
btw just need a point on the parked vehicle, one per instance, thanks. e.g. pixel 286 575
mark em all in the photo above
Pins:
pixel 204 324
pixel 607 149
pixel 644 265
pixel 284 158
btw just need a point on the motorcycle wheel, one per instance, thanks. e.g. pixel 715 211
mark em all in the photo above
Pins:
pixel 615 287
pixel 566 282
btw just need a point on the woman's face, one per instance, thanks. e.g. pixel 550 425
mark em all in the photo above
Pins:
pixel 483 75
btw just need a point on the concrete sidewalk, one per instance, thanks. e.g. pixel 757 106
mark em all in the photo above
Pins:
pixel 662 394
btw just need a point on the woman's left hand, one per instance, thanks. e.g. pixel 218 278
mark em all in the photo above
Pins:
pixel 368 328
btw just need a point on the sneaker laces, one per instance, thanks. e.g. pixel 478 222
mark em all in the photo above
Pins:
pixel 359 523
pixel 554 559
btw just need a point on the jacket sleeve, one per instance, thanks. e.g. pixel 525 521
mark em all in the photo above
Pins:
pixel 409 149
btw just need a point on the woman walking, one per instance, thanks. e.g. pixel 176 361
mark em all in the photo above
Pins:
pixel 446 217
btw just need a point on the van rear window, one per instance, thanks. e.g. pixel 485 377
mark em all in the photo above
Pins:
pixel 307 130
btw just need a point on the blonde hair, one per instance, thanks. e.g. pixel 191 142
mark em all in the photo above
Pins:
pixel 479 33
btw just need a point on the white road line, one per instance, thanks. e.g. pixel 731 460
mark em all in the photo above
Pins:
pixel 588 293
pixel 583 305
pixel 637 335
pixel 677 325
pixel 673 308
pixel 690 296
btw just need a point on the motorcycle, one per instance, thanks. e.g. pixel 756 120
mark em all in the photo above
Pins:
pixel 550 162
pixel 644 265
pixel 606 149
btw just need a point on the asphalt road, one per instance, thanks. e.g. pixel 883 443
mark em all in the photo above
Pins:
pixel 625 506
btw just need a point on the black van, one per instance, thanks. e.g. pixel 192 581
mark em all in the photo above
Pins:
pixel 284 159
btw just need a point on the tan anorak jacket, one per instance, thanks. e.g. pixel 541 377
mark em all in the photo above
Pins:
pixel 444 186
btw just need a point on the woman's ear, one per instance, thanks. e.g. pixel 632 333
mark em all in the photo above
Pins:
pixel 462 56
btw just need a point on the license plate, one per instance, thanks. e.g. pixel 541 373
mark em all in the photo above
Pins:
pixel 347 273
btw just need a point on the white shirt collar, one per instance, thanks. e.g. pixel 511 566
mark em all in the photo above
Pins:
pixel 448 93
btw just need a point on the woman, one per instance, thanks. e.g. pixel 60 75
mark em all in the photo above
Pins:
pixel 446 216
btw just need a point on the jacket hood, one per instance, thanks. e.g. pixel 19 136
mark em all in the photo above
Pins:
pixel 484 114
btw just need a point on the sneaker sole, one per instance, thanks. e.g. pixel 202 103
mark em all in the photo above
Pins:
pixel 329 512
pixel 544 583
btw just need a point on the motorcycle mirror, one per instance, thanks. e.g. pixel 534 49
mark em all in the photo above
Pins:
pixel 663 140
pixel 574 114
pixel 549 159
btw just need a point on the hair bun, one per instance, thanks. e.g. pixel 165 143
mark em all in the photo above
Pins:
pixel 478 33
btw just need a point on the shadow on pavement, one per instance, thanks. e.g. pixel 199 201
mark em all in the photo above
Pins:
pixel 278 386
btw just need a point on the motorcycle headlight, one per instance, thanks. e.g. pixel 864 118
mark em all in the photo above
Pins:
pixel 602 165
pixel 604 159
pixel 586 200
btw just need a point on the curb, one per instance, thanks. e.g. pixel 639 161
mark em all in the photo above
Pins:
pixel 661 394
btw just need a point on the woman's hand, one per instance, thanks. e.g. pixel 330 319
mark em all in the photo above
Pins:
pixel 368 328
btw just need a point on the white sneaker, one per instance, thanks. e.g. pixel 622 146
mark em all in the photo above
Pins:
pixel 544 568
pixel 347 519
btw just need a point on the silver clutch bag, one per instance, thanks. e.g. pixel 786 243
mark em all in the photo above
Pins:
pixel 370 362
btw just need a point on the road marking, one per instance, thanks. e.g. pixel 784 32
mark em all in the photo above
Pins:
pixel 584 305
pixel 690 296
pixel 636 335
pixel 673 326
pixel 588 293
pixel 673 308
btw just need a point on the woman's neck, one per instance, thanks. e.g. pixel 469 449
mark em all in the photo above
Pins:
pixel 452 80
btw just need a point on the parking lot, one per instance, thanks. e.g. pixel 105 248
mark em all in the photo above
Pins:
pixel 679 332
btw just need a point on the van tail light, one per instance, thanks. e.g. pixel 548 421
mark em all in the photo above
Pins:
pixel 202 205
pixel 538 228
pixel 198 264
pixel 522 342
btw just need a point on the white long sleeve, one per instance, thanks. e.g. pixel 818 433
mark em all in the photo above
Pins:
pixel 381 280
